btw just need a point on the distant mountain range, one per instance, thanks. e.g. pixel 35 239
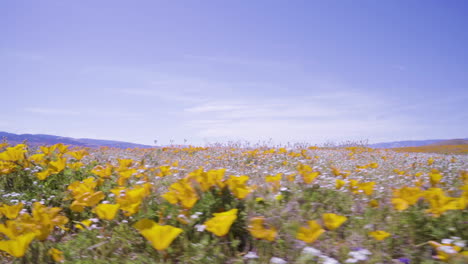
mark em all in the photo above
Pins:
pixel 40 139
pixel 418 143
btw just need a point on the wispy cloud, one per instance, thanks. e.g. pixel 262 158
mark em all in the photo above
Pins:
pixel 164 94
pixel 51 111
pixel 331 116
pixel 250 62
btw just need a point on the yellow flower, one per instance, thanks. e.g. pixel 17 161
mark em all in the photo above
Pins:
pixel 367 187
pixel 274 181
pixel 181 192
pixel 439 203
pixel 311 233
pixel 11 228
pixel 435 176
pixel 164 171
pixel 106 211
pixel 339 183
pixel 103 172
pixel 42 175
pixel 79 154
pixel 61 148
pixel 379 234
pixel 37 158
pixel 56 254
pixel 259 199
pixel 130 200
pixel 43 220
pixel 279 197
pixel 309 177
pixel 84 224
pixel 292 177
pixel 406 196
pixel 333 221
pixel 160 236
pixel 257 229
pixel 430 161
pixel 11 211
pixel 374 203
pixel 337 172
pixel 14 154
pixel 17 247
pixel 58 165
pixel 208 179
pixel 221 222
pixel 86 199
pixel 238 187
pixel 447 252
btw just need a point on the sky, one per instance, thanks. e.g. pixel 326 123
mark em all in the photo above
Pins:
pixel 199 72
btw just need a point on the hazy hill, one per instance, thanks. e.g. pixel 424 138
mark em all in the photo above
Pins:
pixel 40 139
pixel 416 143
pixel 459 141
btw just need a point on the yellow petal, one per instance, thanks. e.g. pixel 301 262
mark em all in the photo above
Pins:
pixel 311 233
pixel 106 211
pixel 221 222
pixel 333 221
pixel 17 247
pixel 161 236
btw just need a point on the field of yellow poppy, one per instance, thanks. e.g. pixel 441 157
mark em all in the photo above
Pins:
pixel 231 204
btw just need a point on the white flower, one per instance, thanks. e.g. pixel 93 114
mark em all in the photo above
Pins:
pixel 251 255
pixel 460 244
pixel 351 260
pixel 365 251
pixel 358 255
pixel 275 260
pixel 328 260
pixel 311 251
pixel 447 249
pixel 447 241
pixel 94 220
pixel 200 228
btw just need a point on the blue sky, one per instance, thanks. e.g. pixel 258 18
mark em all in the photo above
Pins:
pixel 214 71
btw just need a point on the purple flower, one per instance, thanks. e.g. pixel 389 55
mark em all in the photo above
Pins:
pixel 404 260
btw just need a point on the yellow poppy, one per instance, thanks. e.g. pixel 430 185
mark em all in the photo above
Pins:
pixel 379 234
pixel 11 211
pixel 18 246
pixel 333 221
pixel 221 222
pixel 106 211
pixel 311 233
pixel 257 229
pixel 160 236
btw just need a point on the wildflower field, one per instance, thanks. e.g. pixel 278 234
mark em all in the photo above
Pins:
pixel 231 204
